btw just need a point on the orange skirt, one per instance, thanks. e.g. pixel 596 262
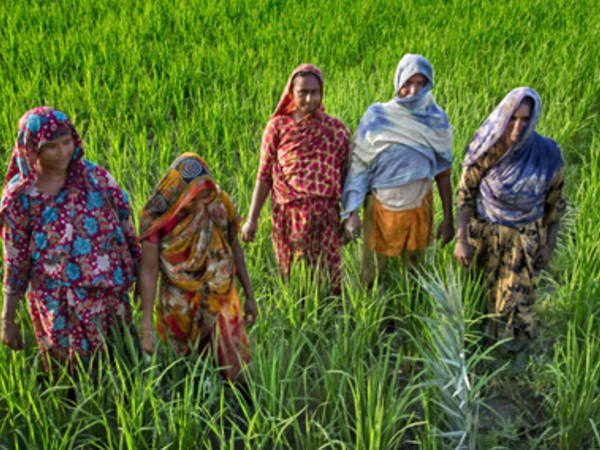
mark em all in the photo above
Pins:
pixel 393 232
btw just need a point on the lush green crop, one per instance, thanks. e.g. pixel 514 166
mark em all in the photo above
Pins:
pixel 145 81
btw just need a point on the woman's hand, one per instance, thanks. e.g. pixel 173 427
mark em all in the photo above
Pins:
pixel 446 231
pixel 148 339
pixel 10 335
pixel 542 257
pixel 248 231
pixel 250 311
pixel 463 252
pixel 352 227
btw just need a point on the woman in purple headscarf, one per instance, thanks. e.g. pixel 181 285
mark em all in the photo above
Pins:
pixel 509 202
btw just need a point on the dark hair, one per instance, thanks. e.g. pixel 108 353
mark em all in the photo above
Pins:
pixel 305 73
pixel 528 101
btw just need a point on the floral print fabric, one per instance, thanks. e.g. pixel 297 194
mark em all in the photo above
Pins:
pixel 74 252
pixel 305 159
pixel 305 162
pixel 198 302
pixel 310 230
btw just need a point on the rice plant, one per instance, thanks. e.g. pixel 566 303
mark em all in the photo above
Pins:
pixel 449 351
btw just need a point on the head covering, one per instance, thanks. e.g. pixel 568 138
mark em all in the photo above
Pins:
pixel 494 126
pixel 187 176
pixel 286 102
pixel 408 66
pixel 36 127
pixel 403 140
pixel 513 191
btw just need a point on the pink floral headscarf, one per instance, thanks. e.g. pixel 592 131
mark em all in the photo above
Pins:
pixel 36 127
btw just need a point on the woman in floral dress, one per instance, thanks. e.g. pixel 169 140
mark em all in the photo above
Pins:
pixel 68 242
pixel 509 203
pixel 303 161
pixel 189 237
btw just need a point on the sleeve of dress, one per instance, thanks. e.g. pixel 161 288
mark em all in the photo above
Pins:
pixel 233 218
pixel 153 238
pixel 16 235
pixel 555 204
pixel 268 151
pixel 468 187
pixel 343 134
pixel 123 208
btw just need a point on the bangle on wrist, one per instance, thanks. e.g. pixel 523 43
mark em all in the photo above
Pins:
pixel 462 239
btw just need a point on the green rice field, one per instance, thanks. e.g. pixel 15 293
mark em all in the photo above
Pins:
pixel 146 81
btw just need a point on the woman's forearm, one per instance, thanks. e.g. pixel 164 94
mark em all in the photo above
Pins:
pixel 551 236
pixel 148 294
pixel 9 306
pixel 444 184
pixel 147 279
pixel 462 219
pixel 261 192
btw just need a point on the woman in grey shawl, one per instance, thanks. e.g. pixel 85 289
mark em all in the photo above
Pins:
pixel 399 148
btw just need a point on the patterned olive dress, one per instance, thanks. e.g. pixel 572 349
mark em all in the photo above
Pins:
pixel 505 253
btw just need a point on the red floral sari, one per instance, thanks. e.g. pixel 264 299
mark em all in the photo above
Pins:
pixel 74 253
pixel 306 163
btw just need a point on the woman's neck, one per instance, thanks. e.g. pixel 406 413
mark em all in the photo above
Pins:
pixel 48 181
pixel 298 116
pixel 502 147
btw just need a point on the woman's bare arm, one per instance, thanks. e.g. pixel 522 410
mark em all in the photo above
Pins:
pixel 250 308
pixel 10 334
pixel 261 192
pixel 147 279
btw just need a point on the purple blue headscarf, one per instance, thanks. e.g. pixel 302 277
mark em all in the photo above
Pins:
pixel 513 191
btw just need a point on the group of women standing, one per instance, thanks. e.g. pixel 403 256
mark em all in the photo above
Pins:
pixel 69 242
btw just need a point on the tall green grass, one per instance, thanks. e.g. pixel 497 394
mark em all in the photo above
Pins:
pixel 145 81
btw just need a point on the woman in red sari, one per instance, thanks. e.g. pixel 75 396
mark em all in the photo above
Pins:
pixel 303 161
pixel 68 243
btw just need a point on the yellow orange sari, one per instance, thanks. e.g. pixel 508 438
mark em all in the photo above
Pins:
pixel 198 302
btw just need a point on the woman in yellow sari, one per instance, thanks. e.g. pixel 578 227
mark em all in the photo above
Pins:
pixel 188 231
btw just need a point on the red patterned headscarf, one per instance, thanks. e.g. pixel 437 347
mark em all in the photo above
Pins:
pixel 286 104
pixel 36 127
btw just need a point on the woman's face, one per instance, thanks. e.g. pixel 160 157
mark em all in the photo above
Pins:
pixel 516 125
pixel 413 85
pixel 56 155
pixel 306 94
pixel 198 202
